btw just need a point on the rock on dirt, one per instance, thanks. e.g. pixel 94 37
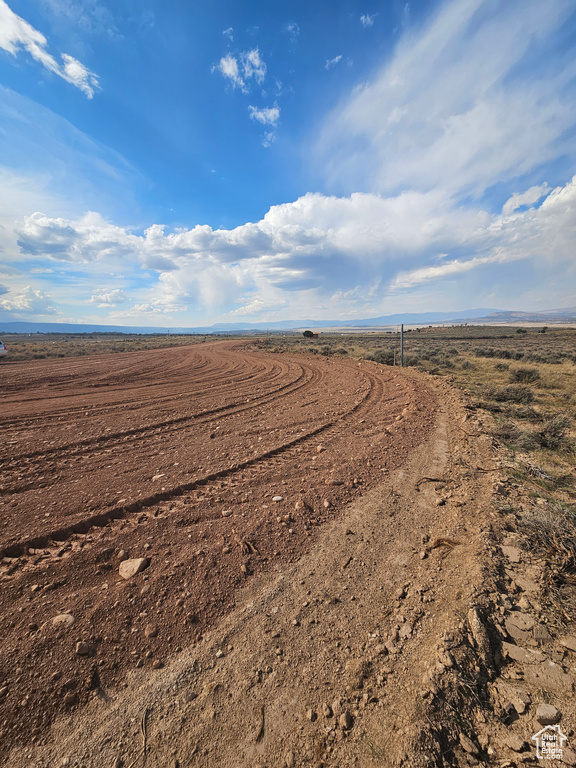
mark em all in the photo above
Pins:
pixel 129 568
pixel 546 714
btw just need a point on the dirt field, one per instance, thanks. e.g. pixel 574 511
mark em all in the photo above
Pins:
pixel 337 570
pixel 175 455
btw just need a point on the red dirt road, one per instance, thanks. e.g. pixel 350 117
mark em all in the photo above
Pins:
pixel 175 455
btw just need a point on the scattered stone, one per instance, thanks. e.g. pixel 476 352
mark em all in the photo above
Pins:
pixel 521 700
pixel 512 553
pixel 569 642
pixel 105 554
pixel 568 756
pixel 515 743
pixel 320 448
pixel 334 481
pixel 3 691
pixel 151 630
pixel 522 655
pixel 122 555
pixel 546 714
pixel 345 721
pixel 469 746
pixel 83 649
pixel 541 634
pixel 226 512
pixel 157 664
pixel 551 677
pixel 226 550
pixel 311 715
pixel 326 504
pixel 327 710
pixel 518 626
pixel 337 706
pixel 129 568
pixel 277 499
pixel 219 653
pixel 290 760
pixel 527 585
pixel 63 620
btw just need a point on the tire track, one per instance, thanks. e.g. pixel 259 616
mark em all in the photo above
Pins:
pixel 204 416
pixel 83 526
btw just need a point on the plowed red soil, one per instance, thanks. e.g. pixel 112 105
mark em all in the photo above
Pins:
pixel 176 455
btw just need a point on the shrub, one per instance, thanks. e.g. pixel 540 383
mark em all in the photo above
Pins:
pixel 383 356
pixel 524 375
pixel 502 366
pixel 468 366
pixel 553 434
pixel 509 432
pixel 516 393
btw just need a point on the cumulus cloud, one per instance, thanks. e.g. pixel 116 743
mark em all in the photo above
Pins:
pixel 331 63
pixel 29 301
pixel 239 70
pixel 109 298
pixel 529 197
pixel 16 33
pixel 266 116
pixel 471 98
pixel 364 245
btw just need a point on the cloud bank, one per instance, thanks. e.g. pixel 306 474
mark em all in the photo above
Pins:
pixel 329 248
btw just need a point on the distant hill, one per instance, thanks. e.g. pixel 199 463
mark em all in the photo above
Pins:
pixel 476 316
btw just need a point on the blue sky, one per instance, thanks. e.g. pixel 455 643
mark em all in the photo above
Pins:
pixel 178 164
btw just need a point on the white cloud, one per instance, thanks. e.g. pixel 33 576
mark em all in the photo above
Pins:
pixel 268 138
pixel 228 67
pixel 108 298
pixel 239 70
pixel 29 302
pixel 529 197
pixel 79 75
pixel 266 116
pixel 358 249
pixel 471 99
pixel 16 33
pixel 367 20
pixel 331 63
pixel 253 66
pixel 293 31
pixel 229 33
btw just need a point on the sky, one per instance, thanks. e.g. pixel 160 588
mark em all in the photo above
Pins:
pixel 181 164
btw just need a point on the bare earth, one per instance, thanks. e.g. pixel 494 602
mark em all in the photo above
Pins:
pixel 323 581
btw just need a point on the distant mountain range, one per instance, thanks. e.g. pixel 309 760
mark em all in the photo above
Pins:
pixel 472 316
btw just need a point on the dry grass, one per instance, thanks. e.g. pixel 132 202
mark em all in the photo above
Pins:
pixel 40 346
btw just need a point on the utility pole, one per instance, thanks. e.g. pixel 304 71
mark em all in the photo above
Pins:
pixel 402 346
